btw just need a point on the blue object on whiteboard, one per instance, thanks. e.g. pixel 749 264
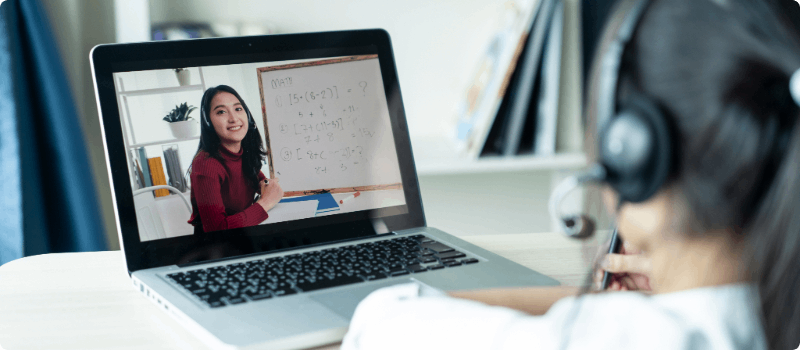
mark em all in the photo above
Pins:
pixel 326 202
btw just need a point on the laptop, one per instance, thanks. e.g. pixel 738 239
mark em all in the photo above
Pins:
pixel 327 110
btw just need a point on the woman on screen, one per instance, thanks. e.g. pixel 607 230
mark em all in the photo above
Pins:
pixel 226 171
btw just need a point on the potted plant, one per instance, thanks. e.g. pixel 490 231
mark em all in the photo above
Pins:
pixel 180 123
pixel 184 76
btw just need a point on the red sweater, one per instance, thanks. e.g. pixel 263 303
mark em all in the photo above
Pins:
pixel 222 197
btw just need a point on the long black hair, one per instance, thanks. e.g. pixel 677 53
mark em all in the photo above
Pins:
pixel 253 153
pixel 720 71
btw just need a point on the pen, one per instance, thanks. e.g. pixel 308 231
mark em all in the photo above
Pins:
pixel 616 243
pixel 354 195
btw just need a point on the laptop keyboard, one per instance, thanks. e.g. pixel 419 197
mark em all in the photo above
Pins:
pixel 274 277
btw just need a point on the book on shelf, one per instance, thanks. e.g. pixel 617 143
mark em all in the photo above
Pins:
pixel 138 174
pixel 173 164
pixel 544 140
pixel 476 113
pixel 527 114
pixel 147 179
pixel 513 130
pixel 157 176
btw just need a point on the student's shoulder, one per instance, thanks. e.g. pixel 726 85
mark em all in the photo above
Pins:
pixel 204 163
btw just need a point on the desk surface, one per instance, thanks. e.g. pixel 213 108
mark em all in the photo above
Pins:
pixel 86 300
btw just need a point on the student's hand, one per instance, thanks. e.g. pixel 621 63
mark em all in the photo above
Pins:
pixel 631 270
pixel 270 194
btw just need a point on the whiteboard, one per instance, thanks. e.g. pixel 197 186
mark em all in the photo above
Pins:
pixel 327 126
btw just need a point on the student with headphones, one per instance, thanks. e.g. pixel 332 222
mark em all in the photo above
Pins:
pixel 691 114
pixel 226 171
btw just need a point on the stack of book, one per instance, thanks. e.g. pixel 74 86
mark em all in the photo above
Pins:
pixel 150 171
pixel 512 105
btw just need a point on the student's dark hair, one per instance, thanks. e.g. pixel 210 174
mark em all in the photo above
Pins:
pixel 720 70
pixel 253 149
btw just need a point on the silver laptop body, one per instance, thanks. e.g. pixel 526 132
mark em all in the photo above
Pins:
pixel 305 318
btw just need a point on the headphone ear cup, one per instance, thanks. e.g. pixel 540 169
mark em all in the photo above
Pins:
pixel 636 148
pixel 204 118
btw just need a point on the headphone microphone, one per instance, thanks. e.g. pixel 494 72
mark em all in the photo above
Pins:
pixel 575 226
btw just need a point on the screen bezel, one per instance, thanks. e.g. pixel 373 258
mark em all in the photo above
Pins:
pixel 108 59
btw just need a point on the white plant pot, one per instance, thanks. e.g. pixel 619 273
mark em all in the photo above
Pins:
pixel 184 129
pixel 184 77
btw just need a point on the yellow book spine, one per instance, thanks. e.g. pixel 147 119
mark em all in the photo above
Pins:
pixel 157 175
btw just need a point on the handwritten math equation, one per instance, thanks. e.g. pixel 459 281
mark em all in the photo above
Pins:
pixel 339 159
pixel 310 96
pixel 328 128
pixel 312 130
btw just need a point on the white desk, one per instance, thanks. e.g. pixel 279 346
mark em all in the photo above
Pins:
pixel 86 300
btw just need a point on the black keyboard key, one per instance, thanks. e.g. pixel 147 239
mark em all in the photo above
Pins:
pixel 372 276
pixel 417 268
pixel 400 273
pixel 436 267
pixel 414 261
pixel 261 296
pixel 412 248
pixel 451 263
pixel 321 283
pixel 427 259
pixel 469 261
pixel 237 300
pixel 451 255
pixel 283 291
pixel 437 247
pixel 215 303
pixel 425 253
pixel 394 268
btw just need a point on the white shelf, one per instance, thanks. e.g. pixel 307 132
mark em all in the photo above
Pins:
pixel 501 164
pixel 437 156
pixel 164 142
pixel 162 90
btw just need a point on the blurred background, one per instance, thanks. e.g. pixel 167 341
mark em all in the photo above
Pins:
pixel 473 181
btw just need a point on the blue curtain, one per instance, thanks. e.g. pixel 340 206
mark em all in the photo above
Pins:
pixel 48 201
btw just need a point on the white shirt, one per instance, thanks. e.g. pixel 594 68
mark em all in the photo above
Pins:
pixel 411 316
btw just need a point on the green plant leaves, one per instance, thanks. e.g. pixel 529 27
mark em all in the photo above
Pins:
pixel 179 113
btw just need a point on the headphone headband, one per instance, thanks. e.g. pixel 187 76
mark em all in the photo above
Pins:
pixel 612 60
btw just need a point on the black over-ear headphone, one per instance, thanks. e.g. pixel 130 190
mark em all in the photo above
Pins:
pixel 635 141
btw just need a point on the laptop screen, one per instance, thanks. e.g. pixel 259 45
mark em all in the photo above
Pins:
pixel 211 148
pixel 195 130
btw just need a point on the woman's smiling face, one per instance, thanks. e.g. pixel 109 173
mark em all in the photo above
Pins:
pixel 229 119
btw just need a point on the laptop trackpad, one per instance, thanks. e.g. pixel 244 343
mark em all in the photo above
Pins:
pixel 344 302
